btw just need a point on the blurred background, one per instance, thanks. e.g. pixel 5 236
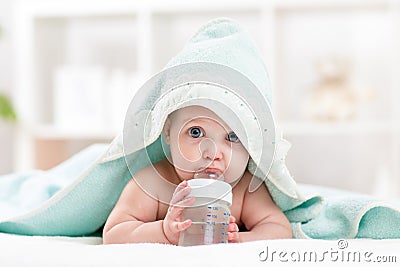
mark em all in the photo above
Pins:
pixel 68 70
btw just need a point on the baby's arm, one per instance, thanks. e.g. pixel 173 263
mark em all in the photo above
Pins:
pixel 134 217
pixel 262 217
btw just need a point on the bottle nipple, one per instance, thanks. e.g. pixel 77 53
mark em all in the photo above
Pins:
pixel 209 174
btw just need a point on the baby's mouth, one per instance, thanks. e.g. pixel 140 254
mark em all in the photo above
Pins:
pixel 209 173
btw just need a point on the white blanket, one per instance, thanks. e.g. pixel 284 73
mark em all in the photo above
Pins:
pixel 88 251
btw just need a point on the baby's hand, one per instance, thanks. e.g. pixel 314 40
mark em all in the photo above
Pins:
pixel 172 224
pixel 233 231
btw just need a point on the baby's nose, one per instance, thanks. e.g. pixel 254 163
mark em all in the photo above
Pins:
pixel 210 149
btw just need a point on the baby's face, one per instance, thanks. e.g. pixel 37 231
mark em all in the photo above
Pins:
pixel 200 140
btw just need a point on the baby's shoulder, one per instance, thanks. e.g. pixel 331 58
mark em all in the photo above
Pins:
pixel 249 183
pixel 154 174
pixel 153 180
pixel 154 171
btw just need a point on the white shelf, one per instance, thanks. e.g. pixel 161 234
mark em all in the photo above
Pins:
pixel 338 128
pixel 336 4
pixel 49 132
pixel 57 9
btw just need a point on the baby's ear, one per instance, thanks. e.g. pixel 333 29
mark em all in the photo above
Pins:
pixel 166 130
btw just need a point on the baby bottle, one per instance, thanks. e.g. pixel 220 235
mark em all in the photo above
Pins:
pixel 210 213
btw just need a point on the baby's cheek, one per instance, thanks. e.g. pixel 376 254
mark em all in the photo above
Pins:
pixel 185 158
pixel 237 165
pixel 190 154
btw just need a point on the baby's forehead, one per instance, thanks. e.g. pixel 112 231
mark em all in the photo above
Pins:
pixel 190 113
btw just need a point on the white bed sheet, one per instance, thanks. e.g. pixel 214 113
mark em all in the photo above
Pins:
pixel 88 251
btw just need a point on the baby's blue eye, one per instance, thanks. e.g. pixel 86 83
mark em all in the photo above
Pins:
pixel 232 137
pixel 196 132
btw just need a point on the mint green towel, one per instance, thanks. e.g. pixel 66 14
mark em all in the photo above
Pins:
pixel 350 215
pixel 221 69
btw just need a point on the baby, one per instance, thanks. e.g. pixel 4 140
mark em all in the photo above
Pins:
pixel 198 140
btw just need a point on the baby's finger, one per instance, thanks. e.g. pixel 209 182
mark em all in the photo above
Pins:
pixel 180 195
pixel 233 227
pixel 233 237
pixel 180 186
pixel 232 219
pixel 181 191
pixel 175 211
pixel 180 226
